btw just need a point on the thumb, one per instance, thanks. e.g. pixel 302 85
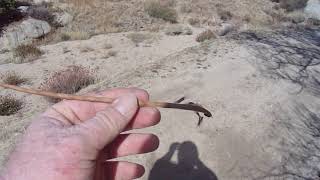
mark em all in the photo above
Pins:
pixel 109 123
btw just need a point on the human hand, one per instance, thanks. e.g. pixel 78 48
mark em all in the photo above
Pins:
pixel 73 140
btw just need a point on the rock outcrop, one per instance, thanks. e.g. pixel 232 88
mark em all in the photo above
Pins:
pixel 23 32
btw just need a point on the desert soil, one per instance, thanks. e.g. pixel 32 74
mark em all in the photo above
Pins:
pixel 257 114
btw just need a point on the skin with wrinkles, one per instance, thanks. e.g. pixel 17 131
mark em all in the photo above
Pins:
pixel 74 140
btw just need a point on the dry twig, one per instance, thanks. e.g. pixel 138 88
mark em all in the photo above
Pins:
pixel 189 107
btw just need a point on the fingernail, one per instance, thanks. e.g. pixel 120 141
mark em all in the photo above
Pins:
pixel 127 105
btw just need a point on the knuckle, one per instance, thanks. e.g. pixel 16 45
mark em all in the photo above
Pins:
pixel 109 119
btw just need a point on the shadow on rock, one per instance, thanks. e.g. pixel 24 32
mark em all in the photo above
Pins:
pixel 292 55
pixel 298 130
pixel 188 167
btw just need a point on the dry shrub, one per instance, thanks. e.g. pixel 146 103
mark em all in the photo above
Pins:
pixel 26 53
pixel 74 35
pixel 291 5
pixel 69 81
pixel 13 78
pixel 206 35
pixel 160 10
pixel 9 105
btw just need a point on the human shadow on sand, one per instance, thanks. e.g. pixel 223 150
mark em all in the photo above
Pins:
pixel 188 167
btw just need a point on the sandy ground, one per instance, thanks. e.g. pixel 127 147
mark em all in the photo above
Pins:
pixel 249 135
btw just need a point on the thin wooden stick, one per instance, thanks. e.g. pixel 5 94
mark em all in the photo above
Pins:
pixel 189 107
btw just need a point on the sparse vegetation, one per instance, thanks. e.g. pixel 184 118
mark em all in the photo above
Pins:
pixel 13 78
pixel 74 35
pixel 9 105
pixel 160 10
pixel 69 81
pixel 26 53
pixel 206 35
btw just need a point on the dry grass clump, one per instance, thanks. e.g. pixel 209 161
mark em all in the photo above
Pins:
pixel 206 35
pixel 26 53
pixel 13 78
pixel 69 81
pixel 74 35
pixel 9 105
pixel 291 5
pixel 160 10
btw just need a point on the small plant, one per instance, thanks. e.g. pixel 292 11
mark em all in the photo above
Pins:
pixel 26 53
pixel 69 81
pixel 13 78
pixel 158 10
pixel 9 105
pixel 206 35
pixel 74 35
